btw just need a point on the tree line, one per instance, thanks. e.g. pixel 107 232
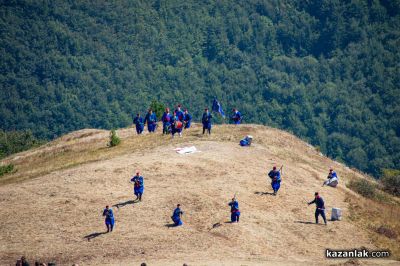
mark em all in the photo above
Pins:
pixel 327 71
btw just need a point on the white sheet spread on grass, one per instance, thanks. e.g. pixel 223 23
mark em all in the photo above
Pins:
pixel 186 150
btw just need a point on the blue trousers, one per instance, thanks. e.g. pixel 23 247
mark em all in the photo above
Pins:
pixel 166 127
pixel 110 224
pixel 177 220
pixel 151 127
pixel 138 190
pixel 276 185
pixel 319 212
pixel 139 129
pixel 176 130
pixel 207 127
pixel 235 216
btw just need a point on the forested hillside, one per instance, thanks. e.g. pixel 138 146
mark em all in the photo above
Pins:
pixel 327 71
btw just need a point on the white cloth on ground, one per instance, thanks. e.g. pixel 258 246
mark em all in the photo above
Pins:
pixel 333 182
pixel 186 150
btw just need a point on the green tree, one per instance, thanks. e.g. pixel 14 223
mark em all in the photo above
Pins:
pixel 391 181
pixel 114 139
pixel 158 108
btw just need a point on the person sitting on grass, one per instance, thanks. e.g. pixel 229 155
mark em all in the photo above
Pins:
pixel 332 179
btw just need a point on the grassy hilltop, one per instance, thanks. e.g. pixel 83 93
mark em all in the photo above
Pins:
pixel 55 199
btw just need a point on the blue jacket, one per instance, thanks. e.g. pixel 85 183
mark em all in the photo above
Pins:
pixel 108 214
pixel 275 175
pixel 330 176
pixel 237 117
pixel 206 119
pixel 166 118
pixel 138 121
pixel 319 201
pixel 150 118
pixel 234 206
pixel 177 213
pixel 187 118
pixel 180 115
pixel 138 180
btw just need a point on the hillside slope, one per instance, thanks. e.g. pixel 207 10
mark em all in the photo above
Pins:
pixel 49 216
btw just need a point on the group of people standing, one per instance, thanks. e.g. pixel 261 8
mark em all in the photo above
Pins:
pixel 176 122
pixel 173 123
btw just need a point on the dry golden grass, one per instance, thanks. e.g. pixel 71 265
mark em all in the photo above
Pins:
pixel 382 210
pixel 371 215
pixel 56 197
pixel 90 145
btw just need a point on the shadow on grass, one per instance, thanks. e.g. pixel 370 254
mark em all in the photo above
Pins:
pixel 264 193
pixel 122 204
pixel 94 235
pixel 304 222
pixel 170 225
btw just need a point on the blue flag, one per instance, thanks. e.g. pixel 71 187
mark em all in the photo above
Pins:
pixel 216 107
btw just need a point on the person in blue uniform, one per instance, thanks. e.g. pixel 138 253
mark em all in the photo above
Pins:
pixel 176 216
pixel 109 215
pixel 187 119
pixel 320 207
pixel 176 125
pixel 138 187
pixel 332 179
pixel 235 213
pixel 332 174
pixel 151 120
pixel 166 120
pixel 236 117
pixel 180 115
pixel 139 123
pixel 206 121
pixel 275 176
pixel 173 120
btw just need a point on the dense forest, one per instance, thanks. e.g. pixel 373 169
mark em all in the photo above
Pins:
pixel 328 71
